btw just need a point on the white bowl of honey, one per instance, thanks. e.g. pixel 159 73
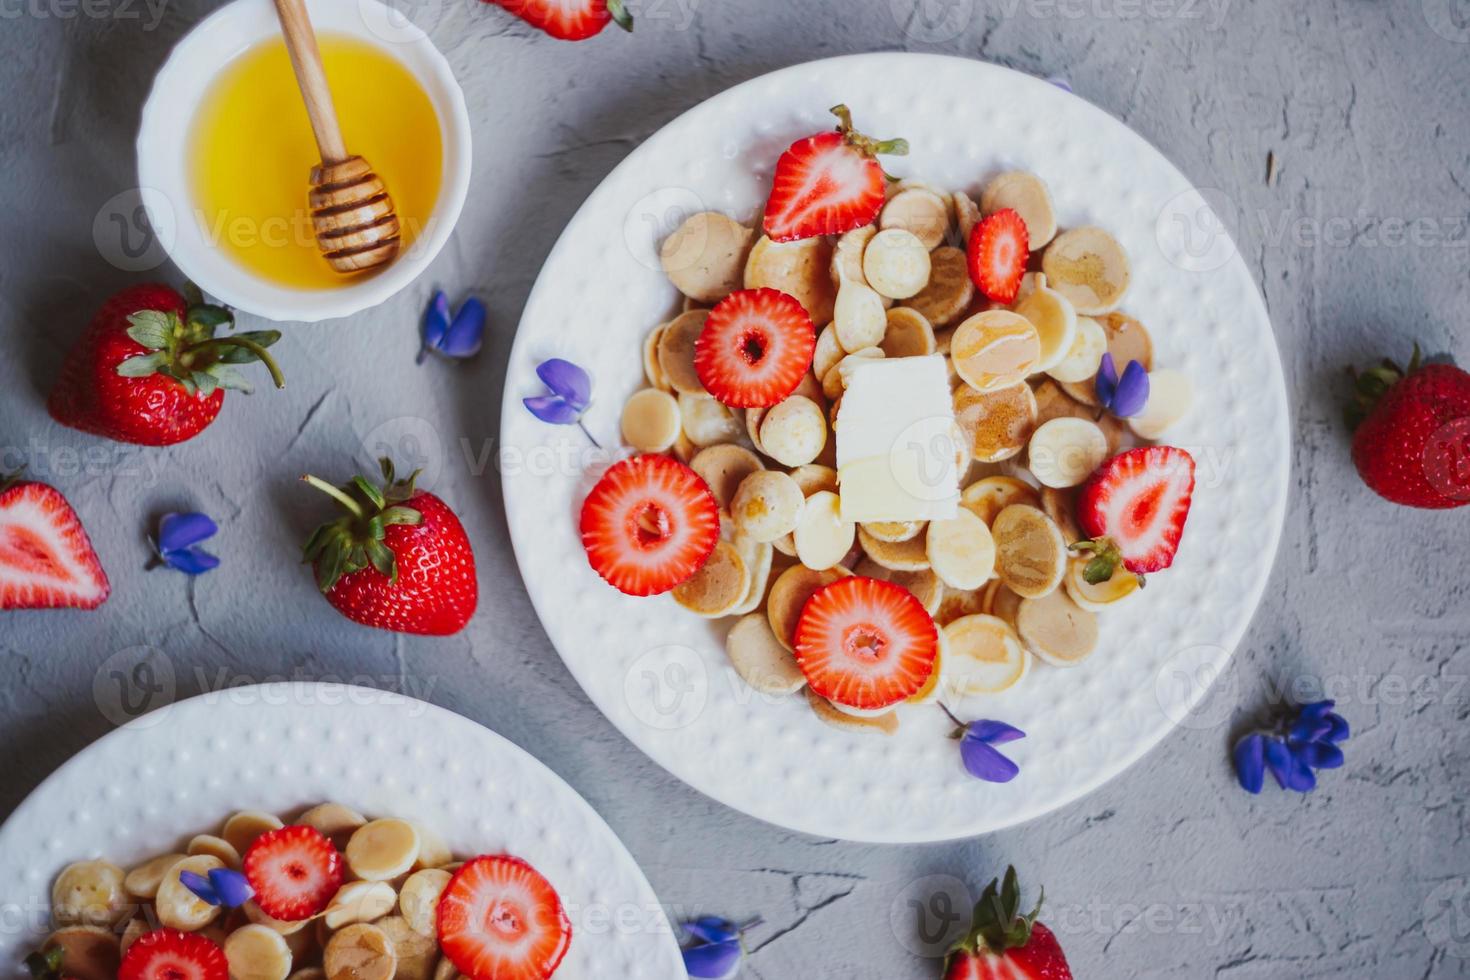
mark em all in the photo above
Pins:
pixel 225 150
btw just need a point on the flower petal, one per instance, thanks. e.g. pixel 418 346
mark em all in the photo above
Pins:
pixel 231 887
pixel 436 320
pixel 713 961
pixel 177 531
pixel 1278 760
pixel 1321 755
pixel 984 762
pixel 1132 391
pixel 567 380
pixel 1308 729
pixel 1250 762
pixel 1316 709
pixel 712 929
pixel 190 561
pixel 467 332
pixel 993 732
pixel 1106 383
pixel 1300 776
pixel 551 408
pixel 1339 728
pixel 200 886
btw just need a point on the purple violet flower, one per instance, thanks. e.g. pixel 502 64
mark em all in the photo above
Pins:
pixel 978 741
pixel 715 950
pixel 178 541
pixel 1125 396
pixel 571 393
pixel 1292 750
pixel 223 887
pixel 460 337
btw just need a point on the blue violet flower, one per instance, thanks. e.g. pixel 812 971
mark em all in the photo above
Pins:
pixel 713 950
pixel 571 393
pixel 1303 741
pixel 1125 396
pixel 178 541
pixel 223 887
pixel 978 741
pixel 459 337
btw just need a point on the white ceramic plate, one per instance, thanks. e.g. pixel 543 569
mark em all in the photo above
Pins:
pixel 179 771
pixel 661 674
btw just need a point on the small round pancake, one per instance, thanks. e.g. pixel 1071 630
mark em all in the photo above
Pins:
pixel 676 351
pixel 1060 504
pixel 1055 322
pixel 1089 267
pixel 1081 361
pixel 827 353
pixel 919 211
pixel 908 334
pixel 760 659
pixel 990 495
pixel 758 556
pixel 1004 604
pixel 794 431
pixel 966 213
pixel 894 531
pixel 651 421
pixel 950 290
pixel 884 724
pixel 847 255
pixel 705 421
pixel 1027 195
pixel 858 317
pixel 985 656
pixel 1128 340
pixel 1095 597
pixel 766 505
pixel 822 537
pixel 789 594
pixel 834 383
pixel 813 477
pixel 801 269
pixel 955 603
pixel 1065 451
pixel 1030 555
pixel 705 256
pixel 1053 402
pixel 896 263
pixel 923 585
pixel 1056 629
pixel 652 370
pixel 961 551
pixel 718 586
pixel 724 468
pixel 898 556
pixel 997 423
pixel 994 349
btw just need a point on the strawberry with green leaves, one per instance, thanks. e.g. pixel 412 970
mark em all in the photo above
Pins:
pixel 150 370
pixel 398 559
pixel 1003 943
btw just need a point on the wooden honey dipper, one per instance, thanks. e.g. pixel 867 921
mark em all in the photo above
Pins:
pixel 351 211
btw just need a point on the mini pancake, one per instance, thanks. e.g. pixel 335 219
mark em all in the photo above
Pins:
pixel 1027 195
pixel 1030 555
pixel 997 423
pixel 995 349
pixel 884 724
pixel 908 334
pixel 827 353
pixel 651 421
pixel 718 586
pixel 919 211
pixel 896 263
pixel 705 421
pixel 960 602
pixel 801 269
pixel 813 477
pixel 1089 267
pixel 960 550
pixel 900 556
pixel 760 659
pixel 822 537
pixel 676 351
pixel 724 468
pixel 705 256
pixel 847 255
pixel 949 292
pixel 1056 629
pixel 894 531
pixel 789 594
pixel 985 656
pixel 794 431
pixel 990 495
pixel 923 585
pixel 1128 340
pixel 858 317
pixel 652 370
pixel 766 505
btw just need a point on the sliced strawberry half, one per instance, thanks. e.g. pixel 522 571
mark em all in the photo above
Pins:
pixel 168 954
pixel 295 871
pixel 998 249
pixel 649 524
pixel 499 919
pixel 46 558
pixel 1133 509
pixel 570 20
pixel 828 183
pixel 755 348
pixel 865 643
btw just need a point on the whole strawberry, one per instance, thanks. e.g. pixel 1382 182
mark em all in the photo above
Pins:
pixel 149 369
pixel 1004 943
pixel 398 559
pixel 1411 439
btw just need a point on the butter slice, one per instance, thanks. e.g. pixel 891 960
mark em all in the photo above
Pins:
pixel 896 442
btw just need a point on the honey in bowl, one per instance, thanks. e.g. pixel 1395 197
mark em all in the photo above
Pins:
pixel 251 149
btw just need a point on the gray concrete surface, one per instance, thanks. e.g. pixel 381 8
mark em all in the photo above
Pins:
pixel 1170 870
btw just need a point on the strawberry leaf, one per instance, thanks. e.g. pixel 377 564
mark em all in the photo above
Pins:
pixel 154 329
pixel 244 355
pixel 142 365
pixel 227 377
pixel 207 383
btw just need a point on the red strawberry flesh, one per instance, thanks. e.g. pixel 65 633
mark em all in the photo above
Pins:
pixel 998 250
pixel 865 643
pixel 570 20
pixel 295 871
pixel 500 919
pixel 649 524
pixel 46 558
pixel 168 954
pixel 755 348
pixel 827 184
pixel 1139 500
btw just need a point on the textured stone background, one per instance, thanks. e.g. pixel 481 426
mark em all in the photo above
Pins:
pixel 1360 247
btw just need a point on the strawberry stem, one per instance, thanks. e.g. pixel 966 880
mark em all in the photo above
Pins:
pixel 335 493
pixel 866 144
pixel 260 352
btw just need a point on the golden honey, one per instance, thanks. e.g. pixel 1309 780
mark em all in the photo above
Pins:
pixel 251 150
